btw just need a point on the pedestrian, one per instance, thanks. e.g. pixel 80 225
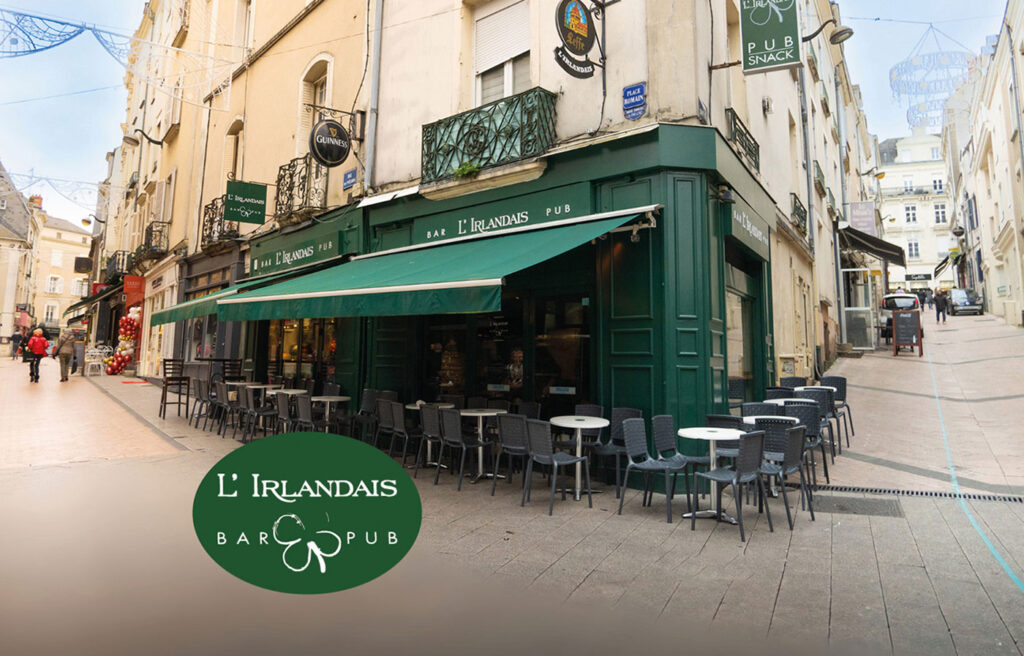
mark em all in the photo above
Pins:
pixel 36 350
pixel 931 299
pixel 15 344
pixel 64 349
pixel 941 303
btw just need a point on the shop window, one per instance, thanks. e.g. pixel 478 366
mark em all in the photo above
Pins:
pixel 203 337
pixel 502 53
pixel 290 355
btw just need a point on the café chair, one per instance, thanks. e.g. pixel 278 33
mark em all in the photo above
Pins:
pixel 791 463
pixel 430 433
pixel 778 393
pixel 513 442
pixel 807 416
pixel 454 437
pixel 666 447
pixel 753 409
pixel 792 381
pixel 634 433
pixel 543 453
pixel 365 418
pixel 745 471
pixel 616 444
pixel 385 420
pixel 842 407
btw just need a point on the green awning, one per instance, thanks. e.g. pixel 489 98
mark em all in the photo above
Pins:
pixel 460 277
pixel 200 307
pixel 103 293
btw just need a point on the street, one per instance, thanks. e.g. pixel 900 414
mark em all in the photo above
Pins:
pixel 100 556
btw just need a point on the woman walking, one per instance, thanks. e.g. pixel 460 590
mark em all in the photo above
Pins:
pixel 64 349
pixel 37 345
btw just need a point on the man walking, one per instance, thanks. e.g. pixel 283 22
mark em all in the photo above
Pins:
pixel 940 306
pixel 37 345
pixel 64 349
pixel 15 343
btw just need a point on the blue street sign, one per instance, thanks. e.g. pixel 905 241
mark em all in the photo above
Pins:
pixel 634 100
pixel 349 179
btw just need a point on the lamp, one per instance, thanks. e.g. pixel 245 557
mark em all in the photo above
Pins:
pixel 129 140
pixel 87 224
pixel 874 171
pixel 840 34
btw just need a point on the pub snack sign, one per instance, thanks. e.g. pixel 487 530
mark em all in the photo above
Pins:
pixel 769 34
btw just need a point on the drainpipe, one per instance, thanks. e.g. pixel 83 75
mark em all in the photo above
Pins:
pixel 1020 142
pixel 371 128
pixel 805 124
pixel 840 304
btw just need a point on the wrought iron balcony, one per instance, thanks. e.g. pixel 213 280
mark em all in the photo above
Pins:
pixel 831 203
pixel 179 18
pixel 812 61
pixel 218 234
pixel 118 264
pixel 301 190
pixel 743 140
pixel 819 178
pixel 799 214
pixel 825 102
pixel 154 246
pixel 508 130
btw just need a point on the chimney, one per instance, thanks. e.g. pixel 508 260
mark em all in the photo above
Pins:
pixel 36 201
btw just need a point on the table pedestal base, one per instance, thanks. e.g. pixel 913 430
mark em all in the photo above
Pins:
pixel 712 514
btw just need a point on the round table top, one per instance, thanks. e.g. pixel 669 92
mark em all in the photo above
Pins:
pixel 783 401
pixel 293 391
pixel 441 406
pixel 482 412
pixel 710 434
pixel 331 399
pixel 579 421
pixel 264 385
pixel 824 387
pixel 237 382
pixel 753 418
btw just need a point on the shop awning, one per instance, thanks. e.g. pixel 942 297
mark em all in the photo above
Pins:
pixel 465 276
pixel 200 307
pixel 856 240
pixel 941 267
pixel 98 296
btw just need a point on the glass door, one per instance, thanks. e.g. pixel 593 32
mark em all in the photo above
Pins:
pixel 739 321
pixel 561 363
pixel 858 308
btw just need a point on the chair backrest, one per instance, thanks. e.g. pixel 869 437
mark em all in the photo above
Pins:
pixel 751 409
pixel 476 402
pixel 664 429
pixel 751 451
pixel 387 395
pixel 222 392
pixel 431 420
pixel 457 400
pixel 499 404
pixel 620 415
pixel 778 393
pixel 794 453
pixel 589 410
pixel 807 415
pixel 529 409
pixel 723 421
pixel 512 431
pixel 332 389
pixel 199 389
pixel 774 433
pixel 232 369
pixel 384 415
pixel 303 407
pixel 634 434
pixel 308 384
pixel 397 417
pixel 451 425
pixel 282 405
pixel 246 399
pixel 838 382
pixel 539 435
pixel 792 381
pixel 368 402
pixel 822 397
pixel 173 367
pixel 737 388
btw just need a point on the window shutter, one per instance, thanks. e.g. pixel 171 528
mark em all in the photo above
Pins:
pixel 228 162
pixel 502 36
pixel 305 118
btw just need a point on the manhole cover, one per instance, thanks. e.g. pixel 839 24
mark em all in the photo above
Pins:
pixel 858 506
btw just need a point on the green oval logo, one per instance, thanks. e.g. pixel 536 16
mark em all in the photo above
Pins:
pixel 307 513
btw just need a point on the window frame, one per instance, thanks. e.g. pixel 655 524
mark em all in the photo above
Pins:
pixel 54 284
pixel 940 208
pixel 910 213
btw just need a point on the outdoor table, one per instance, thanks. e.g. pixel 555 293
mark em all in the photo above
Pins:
pixel 783 401
pixel 329 399
pixel 480 413
pixel 579 422
pixel 440 406
pixel 711 435
pixel 753 418
pixel 292 391
pixel 824 387
pixel 262 388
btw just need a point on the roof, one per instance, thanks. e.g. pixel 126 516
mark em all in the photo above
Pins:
pixel 7 233
pixel 60 224
pixel 887 151
pixel 15 218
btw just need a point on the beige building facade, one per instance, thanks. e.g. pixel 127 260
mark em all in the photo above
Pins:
pixel 57 285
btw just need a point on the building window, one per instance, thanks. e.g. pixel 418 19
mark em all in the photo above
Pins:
pixel 937 184
pixel 59 236
pixel 940 213
pixel 81 287
pixel 908 184
pixel 503 53
pixel 50 313
pixel 3 203
pixel 54 285
pixel 85 240
pixel 56 258
pixel 936 153
pixel 913 250
pixel 315 90
pixel 910 212
pixel 232 163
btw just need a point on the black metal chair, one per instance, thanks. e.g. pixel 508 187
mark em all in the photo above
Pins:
pixel 227 408
pixel 454 437
pixel 753 409
pixel 791 463
pixel 808 417
pixel 529 409
pixel 254 414
pixel 398 429
pixel 542 452
pixel 513 442
pixel 792 381
pixel 430 434
pixel 634 433
pixel 666 447
pixel 746 470
pixel 385 420
pixel 284 415
pixel 457 400
pixel 201 404
pixel 737 392
pixel 841 407
pixel 366 417
pixel 304 413
pixel 616 444
pixel 823 398
pixel 725 448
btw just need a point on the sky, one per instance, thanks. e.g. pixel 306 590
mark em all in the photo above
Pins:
pixel 68 137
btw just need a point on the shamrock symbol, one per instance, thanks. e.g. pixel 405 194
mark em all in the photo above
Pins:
pixel 312 548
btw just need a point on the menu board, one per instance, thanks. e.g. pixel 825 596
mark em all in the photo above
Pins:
pixel 906 331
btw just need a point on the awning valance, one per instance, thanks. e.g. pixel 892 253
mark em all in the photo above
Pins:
pixel 854 239
pixel 941 266
pixel 199 307
pixel 98 296
pixel 460 277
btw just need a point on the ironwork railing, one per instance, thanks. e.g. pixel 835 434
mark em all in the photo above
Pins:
pixel 180 29
pixel 831 202
pixel 301 190
pixel 913 191
pixel 799 214
pixel 504 131
pixel 118 264
pixel 743 140
pixel 154 246
pixel 825 101
pixel 819 178
pixel 216 231
pixel 812 61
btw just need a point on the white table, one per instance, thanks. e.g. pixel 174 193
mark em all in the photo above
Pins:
pixel 808 387
pixel 440 406
pixel 480 413
pixel 329 399
pixel 292 392
pixel 579 423
pixel 753 418
pixel 711 435
pixel 783 401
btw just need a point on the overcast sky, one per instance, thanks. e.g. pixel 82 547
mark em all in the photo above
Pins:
pixel 67 137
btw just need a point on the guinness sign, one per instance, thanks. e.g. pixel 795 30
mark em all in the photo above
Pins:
pixel 575 25
pixel 329 143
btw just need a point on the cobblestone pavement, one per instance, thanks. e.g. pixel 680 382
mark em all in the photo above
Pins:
pixel 99 555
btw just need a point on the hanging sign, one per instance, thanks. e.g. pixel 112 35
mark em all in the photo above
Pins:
pixel 862 217
pixel 748 228
pixel 329 143
pixel 769 35
pixel 245 202
pixel 634 101
pixel 575 25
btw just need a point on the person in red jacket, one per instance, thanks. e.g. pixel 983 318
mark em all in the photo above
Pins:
pixel 37 345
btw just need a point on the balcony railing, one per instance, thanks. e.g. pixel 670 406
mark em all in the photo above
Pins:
pixel 819 178
pixel 502 132
pixel 180 17
pixel 831 203
pixel 217 233
pixel 913 191
pixel 301 190
pixel 118 264
pixel 825 102
pixel 743 140
pixel 799 214
pixel 812 61
pixel 154 246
